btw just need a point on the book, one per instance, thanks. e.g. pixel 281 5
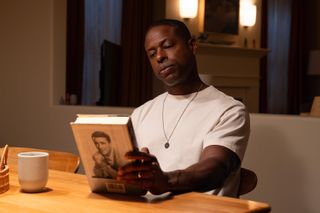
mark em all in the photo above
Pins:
pixel 102 141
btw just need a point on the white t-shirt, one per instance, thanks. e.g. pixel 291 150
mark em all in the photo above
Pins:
pixel 212 118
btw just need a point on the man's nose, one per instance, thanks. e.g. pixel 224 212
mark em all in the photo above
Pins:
pixel 161 56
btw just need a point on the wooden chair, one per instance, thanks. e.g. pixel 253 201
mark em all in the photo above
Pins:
pixel 62 161
pixel 315 108
pixel 248 181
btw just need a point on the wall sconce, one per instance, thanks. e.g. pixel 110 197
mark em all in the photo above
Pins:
pixel 248 13
pixel 188 8
pixel 314 63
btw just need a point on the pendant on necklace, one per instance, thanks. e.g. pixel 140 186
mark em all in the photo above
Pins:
pixel 166 145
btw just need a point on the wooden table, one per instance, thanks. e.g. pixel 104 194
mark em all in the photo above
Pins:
pixel 69 192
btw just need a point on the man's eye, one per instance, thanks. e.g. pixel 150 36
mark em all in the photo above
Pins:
pixel 167 46
pixel 152 55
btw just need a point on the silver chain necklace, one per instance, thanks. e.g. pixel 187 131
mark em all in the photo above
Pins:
pixel 167 144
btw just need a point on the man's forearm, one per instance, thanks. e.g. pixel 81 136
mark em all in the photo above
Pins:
pixel 203 176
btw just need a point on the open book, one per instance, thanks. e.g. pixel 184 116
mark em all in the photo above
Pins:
pixel 102 141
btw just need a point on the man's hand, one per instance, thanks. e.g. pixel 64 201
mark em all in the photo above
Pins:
pixel 144 171
pixel 98 158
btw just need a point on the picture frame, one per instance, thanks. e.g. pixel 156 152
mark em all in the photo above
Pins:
pixel 221 21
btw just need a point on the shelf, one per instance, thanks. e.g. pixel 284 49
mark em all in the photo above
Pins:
pixel 207 48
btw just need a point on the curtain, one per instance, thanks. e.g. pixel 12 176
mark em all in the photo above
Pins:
pixel 102 22
pixel 279 25
pixel 136 79
pixel 298 56
pixel 263 63
pixel 90 25
pixel 75 48
pixel 285 36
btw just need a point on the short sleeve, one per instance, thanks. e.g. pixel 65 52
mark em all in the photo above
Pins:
pixel 232 130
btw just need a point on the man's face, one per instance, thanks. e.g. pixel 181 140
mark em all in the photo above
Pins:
pixel 102 145
pixel 170 56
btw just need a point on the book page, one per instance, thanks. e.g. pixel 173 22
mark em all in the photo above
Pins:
pixel 101 119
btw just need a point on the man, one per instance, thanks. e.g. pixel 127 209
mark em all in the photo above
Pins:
pixel 193 137
pixel 105 158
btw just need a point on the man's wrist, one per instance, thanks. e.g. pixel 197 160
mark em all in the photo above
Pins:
pixel 173 180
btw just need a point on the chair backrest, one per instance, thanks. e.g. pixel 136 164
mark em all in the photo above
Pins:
pixel 315 108
pixel 62 161
pixel 248 181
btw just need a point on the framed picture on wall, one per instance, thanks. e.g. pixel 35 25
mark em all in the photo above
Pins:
pixel 221 21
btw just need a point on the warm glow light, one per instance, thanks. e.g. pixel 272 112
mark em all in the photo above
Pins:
pixel 188 8
pixel 248 13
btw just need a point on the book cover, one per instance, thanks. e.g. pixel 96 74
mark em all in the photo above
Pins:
pixel 102 141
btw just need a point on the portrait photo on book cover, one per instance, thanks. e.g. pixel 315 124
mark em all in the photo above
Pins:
pixel 106 159
pixel 102 149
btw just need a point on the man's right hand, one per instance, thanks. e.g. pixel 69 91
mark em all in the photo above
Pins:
pixel 144 171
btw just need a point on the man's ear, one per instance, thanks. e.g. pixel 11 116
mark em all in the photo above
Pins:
pixel 193 45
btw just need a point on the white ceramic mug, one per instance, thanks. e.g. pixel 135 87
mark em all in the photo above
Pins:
pixel 33 171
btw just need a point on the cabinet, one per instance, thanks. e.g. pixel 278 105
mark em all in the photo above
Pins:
pixel 233 70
